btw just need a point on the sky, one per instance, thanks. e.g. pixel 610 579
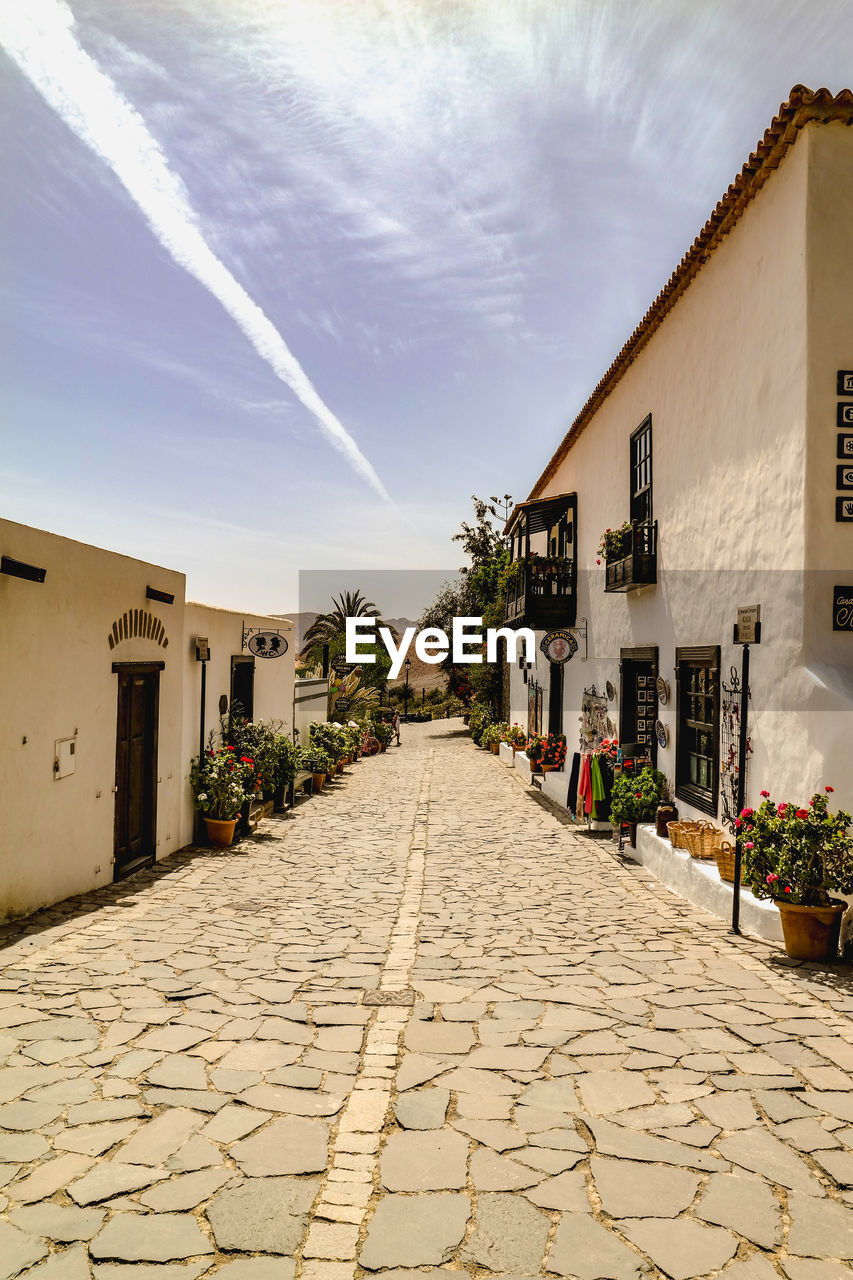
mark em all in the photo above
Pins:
pixel 284 282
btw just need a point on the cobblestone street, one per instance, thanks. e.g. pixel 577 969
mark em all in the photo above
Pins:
pixel 220 1064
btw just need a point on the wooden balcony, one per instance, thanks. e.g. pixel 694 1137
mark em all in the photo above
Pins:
pixel 639 567
pixel 543 594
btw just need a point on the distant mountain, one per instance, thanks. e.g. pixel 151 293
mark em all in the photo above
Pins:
pixel 303 621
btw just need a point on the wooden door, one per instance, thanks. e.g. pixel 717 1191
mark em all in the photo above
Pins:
pixel 136 767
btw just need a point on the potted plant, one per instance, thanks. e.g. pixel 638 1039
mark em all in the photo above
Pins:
pixel 615 544
pixel 219 782
pixel 491 738
pixel 480 717
pixel 546 751
pixel 516 737
pixel 635 798
pixel 799 858
pixel 284 770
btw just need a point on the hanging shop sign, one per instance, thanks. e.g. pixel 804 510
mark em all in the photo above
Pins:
pixel 661 733
pixel 842 609
pixel 748 625
pixel 264 644
pixel 662 690
pixel 559 646
pixel 342 668
pixel 342 705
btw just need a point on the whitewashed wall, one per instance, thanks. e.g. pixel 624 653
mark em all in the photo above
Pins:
pixel 57 682
pixel 56 838
pixel 730 379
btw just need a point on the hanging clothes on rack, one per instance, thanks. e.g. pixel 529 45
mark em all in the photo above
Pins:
pixel 574 775
pixel 597 790
pixel 585 785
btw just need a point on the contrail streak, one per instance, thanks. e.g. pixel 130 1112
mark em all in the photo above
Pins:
pixel 38 35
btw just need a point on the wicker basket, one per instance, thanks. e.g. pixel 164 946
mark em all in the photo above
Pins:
pixel 678 832
pixel 725 855
pixel 702 840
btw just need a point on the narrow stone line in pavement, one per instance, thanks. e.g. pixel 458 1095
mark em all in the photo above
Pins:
pixel 345 1195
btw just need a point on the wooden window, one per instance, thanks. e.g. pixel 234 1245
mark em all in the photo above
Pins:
pixel 641 473
pixel 697 751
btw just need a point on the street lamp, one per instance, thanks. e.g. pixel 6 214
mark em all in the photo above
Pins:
pixel 406 664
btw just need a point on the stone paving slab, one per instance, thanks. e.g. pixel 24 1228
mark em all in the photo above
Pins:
pixel 588 1078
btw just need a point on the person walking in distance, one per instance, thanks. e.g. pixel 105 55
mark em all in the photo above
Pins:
pixel 395 725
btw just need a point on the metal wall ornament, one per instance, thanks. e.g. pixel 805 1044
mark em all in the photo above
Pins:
pixel 662 687
pixel 610 690
pixel 662 734
pixel 730 724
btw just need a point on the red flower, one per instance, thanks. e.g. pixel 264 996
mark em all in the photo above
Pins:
pixel 765 794
pixel 802 813
pixel 829 789
pixel 747 813
pixel 782 810
pixel 787 888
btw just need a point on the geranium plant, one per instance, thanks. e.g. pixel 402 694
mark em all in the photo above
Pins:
pixel 795 855
pixel 547 749
pixel 516 736
pixel 636 796
pixel 221 782
pixel 615 544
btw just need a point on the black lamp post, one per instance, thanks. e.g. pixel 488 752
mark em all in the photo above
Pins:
pixel 406 664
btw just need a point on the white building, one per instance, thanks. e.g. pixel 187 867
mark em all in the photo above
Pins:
pixel 101 697
pixel 723 431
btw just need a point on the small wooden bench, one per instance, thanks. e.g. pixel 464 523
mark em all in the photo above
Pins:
pixel 304 781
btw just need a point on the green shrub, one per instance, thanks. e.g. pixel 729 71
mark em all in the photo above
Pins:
pixel 636 796
pixel 480 717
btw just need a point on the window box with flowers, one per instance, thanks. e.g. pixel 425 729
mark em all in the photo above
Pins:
pixel 546 752
pixel 799 858
pixel 630 556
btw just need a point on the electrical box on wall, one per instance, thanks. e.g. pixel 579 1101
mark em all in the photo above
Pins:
pixel 65 761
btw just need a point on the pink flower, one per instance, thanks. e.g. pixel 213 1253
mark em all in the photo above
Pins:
pixel 782 810
pixel 772 878
pixel 747 813
pixel 765 794
pixel 749 845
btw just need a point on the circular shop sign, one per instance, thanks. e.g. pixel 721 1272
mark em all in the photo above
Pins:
pixel 661 733
pixel 559 646
pixel 663 691
pixel 267 644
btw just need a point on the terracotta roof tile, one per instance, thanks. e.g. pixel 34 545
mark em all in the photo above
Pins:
pixel 803 106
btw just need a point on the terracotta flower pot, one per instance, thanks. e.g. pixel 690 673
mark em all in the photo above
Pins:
pixel 495 748
pixel 811 933
pixel 548 768
pixel 319 781
pixel 339 767
pixel 220 833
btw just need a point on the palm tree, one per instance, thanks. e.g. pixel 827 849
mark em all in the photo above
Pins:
pixel 327 627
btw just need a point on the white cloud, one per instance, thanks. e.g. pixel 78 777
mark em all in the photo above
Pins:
pixel 41 41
